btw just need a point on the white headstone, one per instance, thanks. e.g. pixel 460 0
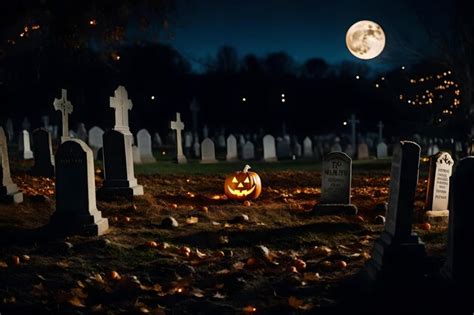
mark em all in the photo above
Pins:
pixel 269 149
pixel 307 148
pixel 25 145
pixel 122 105
pixel 231 148
pixel 178 125
pixel 144 146
pixel 95 137
pixel 208 153
pixel 66 108
pixel 437 196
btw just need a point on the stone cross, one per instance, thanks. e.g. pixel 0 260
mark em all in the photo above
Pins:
pixel 380 125
pixel 122 105
pixel 353 121
pixel 178 125
pixel 66 108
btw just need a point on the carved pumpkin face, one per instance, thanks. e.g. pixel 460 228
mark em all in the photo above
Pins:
pixel 243 185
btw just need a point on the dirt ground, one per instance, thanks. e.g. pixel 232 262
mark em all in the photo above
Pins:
pixel 282 260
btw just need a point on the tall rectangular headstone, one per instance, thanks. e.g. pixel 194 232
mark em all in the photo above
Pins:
pixel 382 150
pixel 119 177
pixel 232 152
pixel 336 185
pixel 43 153
pixel 458 268
pixel 76 209
pixel 363 151
pixel 95 139
pixel 437 195
pixel 399 253
pixel 307 148
pixel 25 146
pixel 8 190
pixel 208 152
pixel 283 148
pixel 248 151
pixel 269 149
pixel 144 146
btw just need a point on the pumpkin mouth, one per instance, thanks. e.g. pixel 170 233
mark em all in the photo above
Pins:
pixel 241 193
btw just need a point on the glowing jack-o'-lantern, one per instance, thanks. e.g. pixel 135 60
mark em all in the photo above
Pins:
pixel 243 185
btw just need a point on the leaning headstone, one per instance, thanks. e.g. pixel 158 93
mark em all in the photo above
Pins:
pixel 119 177
pixel 248 151
pixel 43 153
pixel 25 146
pixel 363 151
pixel 137 158
pixel 437 195
pixel 399 253
pixel 76 209
pixel 208 153
pixel 66 108
pixel 307 148
pixel 458 268
pixel 96 139
pixel 178 125
pixel 336 185
pixel 231 148
pixel 8 190
pixel 382 150
pixel 269 150
pixel 144 146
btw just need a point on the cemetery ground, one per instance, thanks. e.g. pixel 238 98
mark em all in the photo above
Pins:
pixel 269 256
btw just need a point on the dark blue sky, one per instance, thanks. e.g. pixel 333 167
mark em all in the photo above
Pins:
pixel 303 28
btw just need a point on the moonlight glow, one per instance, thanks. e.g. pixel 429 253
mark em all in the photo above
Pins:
pixel 365 39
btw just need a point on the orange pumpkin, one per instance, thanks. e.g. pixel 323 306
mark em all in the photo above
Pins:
pixel 243 185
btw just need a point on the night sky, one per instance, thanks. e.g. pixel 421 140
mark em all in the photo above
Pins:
pixel 302 28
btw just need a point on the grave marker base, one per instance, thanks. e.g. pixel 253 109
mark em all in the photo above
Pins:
pixel 116 191
pixel 437 217
pixel 89 225
pixel 335 209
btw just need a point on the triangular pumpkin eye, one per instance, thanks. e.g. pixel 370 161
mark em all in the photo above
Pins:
pixel 247 180
pixel 234 180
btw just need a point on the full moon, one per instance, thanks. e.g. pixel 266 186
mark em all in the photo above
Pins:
pixel 365 39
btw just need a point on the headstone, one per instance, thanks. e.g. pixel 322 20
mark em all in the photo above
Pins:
pixel 297 150
pixel 399 254
pixel 119 177
pixel 307 148
pixel 348 150
pixel 363 151
pixel 437 195
pixel 66 108
pixel 178 125
pixel 95 139
pixel 9 129
pixel 54 131
pixel 158 140
pixel 336 185
pixel 26 125
pixel 76 209
pixel 197 149
pixel 458 267
pixel 144 146
pixel 43 153
pixel 8 190
pixel 221 141
pixel 269 150
pixel 232 153
pixel 121 104
pixel 81 132
pixel 248 151
pixel 25 146
pixel 137 159
pixel 205 132
pixel 283 148
pixel 208 152
pixel 382 150
pixel 188 142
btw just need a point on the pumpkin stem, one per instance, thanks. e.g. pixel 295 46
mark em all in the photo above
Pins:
pixel 246 168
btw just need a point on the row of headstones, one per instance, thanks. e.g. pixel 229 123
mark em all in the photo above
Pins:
pixel 399 251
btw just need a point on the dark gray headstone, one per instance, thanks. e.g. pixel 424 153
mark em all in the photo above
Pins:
pixel 8 190
pixel 76 210
pixel 43 153
pixel 460 256
pixel 399 253
pixel 119 177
